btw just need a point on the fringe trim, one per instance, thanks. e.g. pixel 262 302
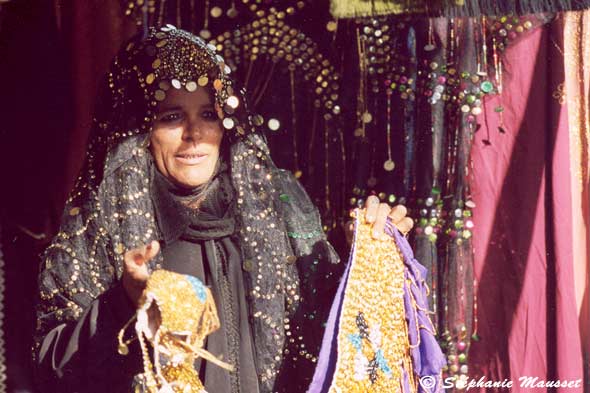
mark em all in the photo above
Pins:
pixel 451 8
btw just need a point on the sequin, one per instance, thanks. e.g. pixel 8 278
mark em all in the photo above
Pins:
pixel 233 102
pixel 176 83
pixel 228 123
pixel 160 95
pixel 191 86
pixel 248 265
pixel 274 124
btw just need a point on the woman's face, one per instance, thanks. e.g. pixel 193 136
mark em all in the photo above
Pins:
pixel 186 137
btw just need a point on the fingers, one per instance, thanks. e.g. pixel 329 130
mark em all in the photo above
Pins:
pixel 398 213
pixel 372 205
pixel 152 249
pixel 135 271
pixel 398 217
pixel 383 210
pixel 405 225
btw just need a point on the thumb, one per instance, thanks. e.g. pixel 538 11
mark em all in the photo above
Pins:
pixel 151 250
pixel 141 255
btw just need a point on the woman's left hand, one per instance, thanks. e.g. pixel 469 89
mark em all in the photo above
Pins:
pixel 377 213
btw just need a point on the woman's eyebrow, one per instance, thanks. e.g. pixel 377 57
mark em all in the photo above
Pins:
pixel 167 108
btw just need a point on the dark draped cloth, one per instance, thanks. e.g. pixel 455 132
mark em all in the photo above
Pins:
pixel 201 242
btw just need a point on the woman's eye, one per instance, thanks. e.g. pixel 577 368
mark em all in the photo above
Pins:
pixel 209 115
pixel 170 117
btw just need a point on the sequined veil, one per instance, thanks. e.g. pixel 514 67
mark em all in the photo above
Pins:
pixel 288 262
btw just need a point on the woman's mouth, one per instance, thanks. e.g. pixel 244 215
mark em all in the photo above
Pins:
pixel 191 159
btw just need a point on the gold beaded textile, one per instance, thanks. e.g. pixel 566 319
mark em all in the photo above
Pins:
pixel 373 344
pixel 176 314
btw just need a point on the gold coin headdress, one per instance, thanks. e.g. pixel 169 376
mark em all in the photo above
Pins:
pixel 148 68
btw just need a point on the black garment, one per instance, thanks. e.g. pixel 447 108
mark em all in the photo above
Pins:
pixel 78 356
pixel 201 243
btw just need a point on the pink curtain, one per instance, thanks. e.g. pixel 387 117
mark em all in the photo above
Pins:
pixel 528 320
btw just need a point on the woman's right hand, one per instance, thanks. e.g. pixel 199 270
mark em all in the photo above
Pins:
pixel 135 272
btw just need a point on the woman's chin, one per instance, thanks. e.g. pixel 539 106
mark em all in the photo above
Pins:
pixel 189 180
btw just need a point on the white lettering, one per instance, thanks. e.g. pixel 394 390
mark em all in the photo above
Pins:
pixel 534 382
pixel 449 383
pixel 528 382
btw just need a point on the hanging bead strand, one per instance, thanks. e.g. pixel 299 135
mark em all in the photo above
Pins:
pixel 296 169
pixel 178 14
pixel 483 64
pixel 161 13
pixel 498 76
pixel 389 165
pixel 205 33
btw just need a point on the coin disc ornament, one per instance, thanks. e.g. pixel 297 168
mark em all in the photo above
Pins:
pixel 389 165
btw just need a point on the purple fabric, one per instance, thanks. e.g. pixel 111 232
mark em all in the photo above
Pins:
pixel 427 358
pixel 322 377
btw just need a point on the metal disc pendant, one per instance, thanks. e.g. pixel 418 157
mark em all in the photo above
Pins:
pixel 216 12
pixel 429 47
pixel 123 349
pixel 205 34
pixel 232 12
pixel 389 165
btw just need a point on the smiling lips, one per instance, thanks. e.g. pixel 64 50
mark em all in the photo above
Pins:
pixel 191 158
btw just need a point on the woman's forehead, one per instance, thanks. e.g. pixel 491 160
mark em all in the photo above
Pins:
pixel 182 98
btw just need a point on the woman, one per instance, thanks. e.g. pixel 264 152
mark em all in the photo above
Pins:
pixel 178 177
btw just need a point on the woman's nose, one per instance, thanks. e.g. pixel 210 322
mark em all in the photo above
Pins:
pixel 192 130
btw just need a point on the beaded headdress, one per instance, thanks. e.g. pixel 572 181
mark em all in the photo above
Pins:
pixel 170 58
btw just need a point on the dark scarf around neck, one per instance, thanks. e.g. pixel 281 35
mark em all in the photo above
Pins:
pixel 214 217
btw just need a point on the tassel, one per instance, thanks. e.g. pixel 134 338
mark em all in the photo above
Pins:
pixel 451 8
